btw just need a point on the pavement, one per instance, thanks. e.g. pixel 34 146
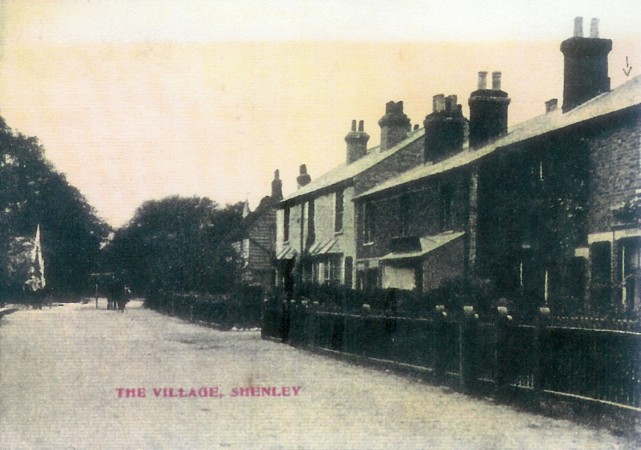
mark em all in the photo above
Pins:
pixel 75 376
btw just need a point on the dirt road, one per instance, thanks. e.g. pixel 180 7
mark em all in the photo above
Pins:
pixel 76 377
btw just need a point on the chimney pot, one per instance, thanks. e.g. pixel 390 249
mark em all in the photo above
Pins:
pixel 578 27
pixel 450 103
pixel 594 28
pixel 277 187
pixel 303 178
pixel 356 142
pixel 551 105
pixel 482 80
pixel 438 103
pixel 394 125
pixel 496 81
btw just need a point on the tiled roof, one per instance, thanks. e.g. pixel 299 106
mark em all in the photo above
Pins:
pixel 346 171
pixel 624 96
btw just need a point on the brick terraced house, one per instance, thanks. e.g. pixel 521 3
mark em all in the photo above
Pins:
pixel 548 212
pixel 315 239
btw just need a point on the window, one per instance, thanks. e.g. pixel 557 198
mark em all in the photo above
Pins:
pixel 332 272
pixel 311 233
pixel 338 212
pixel 286 225
pixel 349 267
pixel 601 271
pixel 369 217
pixel 601 262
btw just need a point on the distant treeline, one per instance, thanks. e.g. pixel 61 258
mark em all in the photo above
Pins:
pixel 177 245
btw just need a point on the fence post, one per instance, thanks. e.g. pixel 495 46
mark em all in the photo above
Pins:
pixel 468 363
pixel 540 369
pixel 294 313
pixel 312 324
pixel 284 321
pixel 265 330
pixel 502 351
pixel 303 323
pixel 440 350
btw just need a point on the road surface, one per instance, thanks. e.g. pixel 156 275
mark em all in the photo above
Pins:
pixel 76 377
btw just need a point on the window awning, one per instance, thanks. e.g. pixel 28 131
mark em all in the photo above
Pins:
pixel 322 247
pixel 428 244
pixel 286 253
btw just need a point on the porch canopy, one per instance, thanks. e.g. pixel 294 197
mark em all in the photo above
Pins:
pixel 427 244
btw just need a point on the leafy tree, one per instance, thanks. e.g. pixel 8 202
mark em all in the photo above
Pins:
pixel 176 244
pixel 32 192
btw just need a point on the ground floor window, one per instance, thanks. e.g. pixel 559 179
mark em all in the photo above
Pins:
pixel 629 272
pixel 368 279
pixel 327 269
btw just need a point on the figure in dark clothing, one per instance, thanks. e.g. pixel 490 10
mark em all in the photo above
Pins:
pixel 117 294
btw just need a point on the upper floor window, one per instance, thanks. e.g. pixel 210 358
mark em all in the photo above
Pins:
pixel 338 212
pixel 286 224
pixel 369 222
pixel 311 230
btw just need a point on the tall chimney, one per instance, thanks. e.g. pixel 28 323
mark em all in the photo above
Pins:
pixel 585 65
pixel 488 110
pixel 445 128
pixel 277 187
pixel 395 125
pixel 356 142
pixel 303 178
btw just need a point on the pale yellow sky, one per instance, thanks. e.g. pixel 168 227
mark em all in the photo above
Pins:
pixel 140 100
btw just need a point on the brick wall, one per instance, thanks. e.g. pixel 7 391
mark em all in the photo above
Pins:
pixel 614 167
pixel 423 216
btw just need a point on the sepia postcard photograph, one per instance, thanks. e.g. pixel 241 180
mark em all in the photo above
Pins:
pixel 308 224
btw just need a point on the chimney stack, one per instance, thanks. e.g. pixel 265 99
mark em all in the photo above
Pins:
pixel 445 128
pixel 303 178
pixel 356 142
pixel 395 125
pixel 488 110
pixel 277 187
pixel 585 65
